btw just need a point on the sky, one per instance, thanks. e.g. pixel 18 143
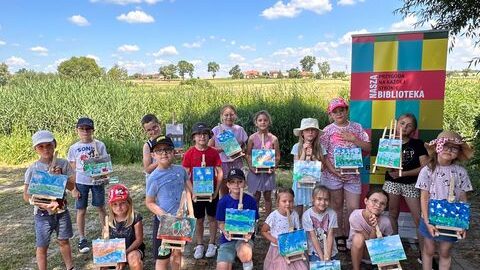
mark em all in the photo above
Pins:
pixel 142 35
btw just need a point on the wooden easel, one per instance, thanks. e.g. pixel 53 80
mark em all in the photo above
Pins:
pixel 185 201
pixel 349 170
pixel 239 235
pixel 391 135
pixel 234 155
pixel 263 169
pixel 203 197
pixel 295 256
pixel 308 183
pixel 381 266
pixel 44 201
pixel 448 230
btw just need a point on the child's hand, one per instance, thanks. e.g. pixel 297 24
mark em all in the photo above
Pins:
pixel 432 230
pixel 341 176
pixel 227 235
pixel 373 220
pixel 52 206
pixel 55 170
pixel 348 136
pixel 275 241
pixel 248 237
pixel 120 266
pixel 75 194
pixel 394 174
pixel 463 234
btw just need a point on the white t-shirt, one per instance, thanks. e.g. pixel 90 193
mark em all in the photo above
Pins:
pixel 320 223
pixel 279 223
pixel 79 152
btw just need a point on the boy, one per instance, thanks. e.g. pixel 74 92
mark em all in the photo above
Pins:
pixel 54 216
pixel 164 191
pixel 193 158
pixel 230 249
pixel 151 126
pixel 77 154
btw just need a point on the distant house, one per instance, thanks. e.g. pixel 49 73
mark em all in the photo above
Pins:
pixel 274 74
pixel 306 74
pixel 251 74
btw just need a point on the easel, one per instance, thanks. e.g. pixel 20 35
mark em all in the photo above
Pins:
pixel 448 230
pixel 349 170
pixel 106 236
pixel 263 169
pixel 101 179
pixel 330 264
pixel 203 197
pixel 186 200
pixel 239 235
pixel 309 183
pixel 391 135
pixel 298 255
pixel 235 154
pixel 381 266
pixel 178 152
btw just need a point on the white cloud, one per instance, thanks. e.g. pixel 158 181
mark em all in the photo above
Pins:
pixel 136 16
pixel 236 57
pixel 300 37
pixel 133 66
pixel 2 43
pixel 247 48
pixel 462 53
pixel 128 48
pixel 196 44
pixel 346 2
pixel 40 50
pixel 79 20
pixel 94 57
pixel 347 37
pixel 162 62
pixel 16 62
pixel 127 2
pixel 223 40
pixel 166 51
pixel 295 7
pixel 293 52
pixel 196 62
pixel 233 42
pixel 404 25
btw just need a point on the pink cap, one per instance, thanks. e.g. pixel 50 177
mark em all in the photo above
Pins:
pixel 335 103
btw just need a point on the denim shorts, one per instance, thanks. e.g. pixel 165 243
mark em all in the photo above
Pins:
pixel 227 252
pixel 423 229
pixel 46 224
pixel 98 195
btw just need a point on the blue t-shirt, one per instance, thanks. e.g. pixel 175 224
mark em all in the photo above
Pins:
pixel 228 202
pixel 167 186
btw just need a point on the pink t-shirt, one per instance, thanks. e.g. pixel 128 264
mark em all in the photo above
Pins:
pixel 358 224
pixel 437 182
pixel 268 140
pixel 331 139
pixel 237 130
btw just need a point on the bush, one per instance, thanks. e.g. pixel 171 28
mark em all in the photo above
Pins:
pixel 197 83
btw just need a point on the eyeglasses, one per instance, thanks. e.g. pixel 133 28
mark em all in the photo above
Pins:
pixel 451 148
pixel 163 151
pixel 156 127
pixel 378 202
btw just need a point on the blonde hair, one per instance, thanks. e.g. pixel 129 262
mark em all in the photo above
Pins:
pixel 319 188
pixel 130 214
pixel 317 152
pixel 227 106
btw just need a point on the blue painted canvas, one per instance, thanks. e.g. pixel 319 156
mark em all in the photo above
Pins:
pixel 175 132
pixel 109 251
pixel 98 166
pixel 347 157
pixel 228 143
pixel 386 249
pixel 263 158
pixel 291 243
pixel 451 214
pixel 47 185
pixel 389 153
pixel 203 180
pixel 325 265
pixel 240 221
pixel 304 170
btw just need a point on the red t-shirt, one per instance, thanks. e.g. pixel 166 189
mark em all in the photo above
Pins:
pixel 193 158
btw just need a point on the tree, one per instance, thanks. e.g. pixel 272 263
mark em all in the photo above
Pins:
pixel 214 68
pixel 4 74
pixel 460 17
pixel 293 73
pixel 339 74
pixel 168 72
pixel 79 67
pixel 117 73
pixel 307 63
pixel 466 72
pixel 280 75
pixel 324 68
pixel 185 67
pixel 266 74
pixel 236 72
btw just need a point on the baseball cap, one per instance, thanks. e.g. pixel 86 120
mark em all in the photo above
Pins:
pixel 85 121
pixel 335 103
pixel 201 127
pixel 118 192
pixel 236 173
pixel 42 136
pixel 160 140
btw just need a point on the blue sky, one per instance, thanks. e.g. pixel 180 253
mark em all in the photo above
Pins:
pixel 142 35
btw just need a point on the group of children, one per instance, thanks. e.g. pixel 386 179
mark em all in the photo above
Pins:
pixel 319 211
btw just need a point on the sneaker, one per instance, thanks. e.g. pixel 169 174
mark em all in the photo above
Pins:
pixel 211 250
pixel 83 246
pixel 199 249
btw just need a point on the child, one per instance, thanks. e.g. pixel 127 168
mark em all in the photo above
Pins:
pixel 151 126
pixel 259 183
pixel 228 116
pixel 319 222
pixel 345 134
pixel 277 223
pixel 52 217
pixel 193 158
pixel 363 223
pixel 124 222
pixel 77 154
pixel 164 191
pixel 434 181
pixel 229 249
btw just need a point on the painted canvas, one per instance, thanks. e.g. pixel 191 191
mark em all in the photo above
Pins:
pixel 203 180
pixel 386 249
pixel 304 170
pixel 240 221
pixel 47 185
pixel 292 243
pixel 389 153
pixel 451 214
pixel 109 251
pixel 263 158
pixel 325 265
pixel 347 157
pixel 228 143
pixel 176 228
pixel 98 166
pixel 175 132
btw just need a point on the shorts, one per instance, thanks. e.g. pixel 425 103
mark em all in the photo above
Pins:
pixel 422 228
pixel 405 190
pixel 46 224
pixel 352 187
pixel 314 258
pixel 98 195
pixel 199 208
pixel 156 243
pixel 227 252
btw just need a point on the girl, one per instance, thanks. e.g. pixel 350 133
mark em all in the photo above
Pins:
pixel 262 182
pixel 319 222
pixel 125 223
pixel 434 182
pixel 228 116
pixel 152 127
pixel 278 223
pixel 345 134
pixel 363 223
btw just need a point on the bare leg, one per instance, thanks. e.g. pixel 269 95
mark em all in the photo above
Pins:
pixel 162 264
pixel 393 210
pixel 414 206
pixel 81 222
pixel 199 231
pixel 427 253
pixel 299 210
pixel 445 257
pixel 66 252
pixel 101 214
pixel 212 227
pixel 41 253
pixel 224 266
pixel 134 260
pixel 267 196
pixel 176 259
pixel 257 196
pixel 353 202
pixel 358 246
pixel 336 200
pixel 244 253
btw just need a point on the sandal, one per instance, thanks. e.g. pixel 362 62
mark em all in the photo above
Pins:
pixel 341 243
